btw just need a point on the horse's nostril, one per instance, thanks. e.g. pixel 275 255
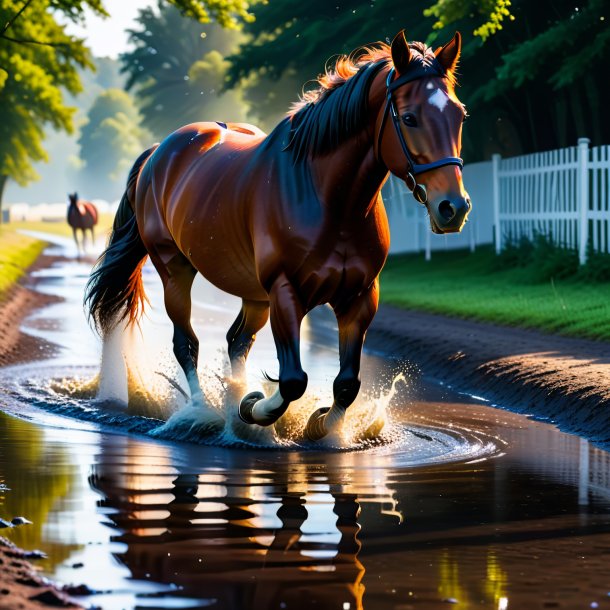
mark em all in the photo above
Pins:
pixel 446 209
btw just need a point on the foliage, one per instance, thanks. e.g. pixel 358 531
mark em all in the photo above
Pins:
pixel 227 13
pixel 110 142
pixel 532 73
pixel 291 42
pixel 492 12
pixel 177 68
pixel 541 259
pixel 478 286
pixel 37 60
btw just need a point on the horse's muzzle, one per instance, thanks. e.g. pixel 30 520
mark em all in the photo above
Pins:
pixel 449 214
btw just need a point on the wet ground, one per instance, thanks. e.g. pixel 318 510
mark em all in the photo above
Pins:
pixel 455 504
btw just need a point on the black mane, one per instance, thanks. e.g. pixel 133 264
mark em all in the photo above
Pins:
pixel 320 126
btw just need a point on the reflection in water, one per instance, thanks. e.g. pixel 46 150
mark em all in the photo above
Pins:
pixel 195 527
pixel 43 480
pixel 246 539
pixel 414 524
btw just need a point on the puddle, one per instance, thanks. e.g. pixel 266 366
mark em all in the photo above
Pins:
pixel 459 504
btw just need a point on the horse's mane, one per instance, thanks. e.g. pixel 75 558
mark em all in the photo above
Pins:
pixel 335 111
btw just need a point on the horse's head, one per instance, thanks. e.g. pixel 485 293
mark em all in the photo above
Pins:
pixel 419 131
pixel 73 197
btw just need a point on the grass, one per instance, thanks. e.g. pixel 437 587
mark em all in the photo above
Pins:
pixel 61 227
pixel 17 253
pixel 530 285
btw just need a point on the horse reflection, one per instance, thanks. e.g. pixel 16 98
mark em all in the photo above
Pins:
pixel 246 546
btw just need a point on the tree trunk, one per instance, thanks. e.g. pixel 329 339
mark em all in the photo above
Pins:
pixel 3 181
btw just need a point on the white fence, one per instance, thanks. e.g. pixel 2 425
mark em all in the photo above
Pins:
pixel 410 227
pixel 562 194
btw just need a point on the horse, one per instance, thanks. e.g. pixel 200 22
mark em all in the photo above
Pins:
pixel 290 220
pixel 81 215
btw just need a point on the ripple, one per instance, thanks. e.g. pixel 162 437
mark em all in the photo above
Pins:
pixel 38 393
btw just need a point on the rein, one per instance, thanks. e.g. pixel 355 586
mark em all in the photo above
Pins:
pixel 413 169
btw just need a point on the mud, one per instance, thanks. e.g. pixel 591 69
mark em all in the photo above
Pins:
pixel 556 379
pixel 22 299
pixel 22 588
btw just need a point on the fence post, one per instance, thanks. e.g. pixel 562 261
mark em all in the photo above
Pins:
pixel 495 164
pixel 582 181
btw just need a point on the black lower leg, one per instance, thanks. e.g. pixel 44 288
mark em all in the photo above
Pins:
pixel 186 350
pixel 345 390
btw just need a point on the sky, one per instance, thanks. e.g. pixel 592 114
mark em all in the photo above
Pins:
pixel 106 37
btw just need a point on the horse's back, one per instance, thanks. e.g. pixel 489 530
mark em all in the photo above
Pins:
pixel 91 211
pixel 191 198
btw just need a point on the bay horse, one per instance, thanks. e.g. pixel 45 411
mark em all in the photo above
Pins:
pixel 81 215
pixel 290 220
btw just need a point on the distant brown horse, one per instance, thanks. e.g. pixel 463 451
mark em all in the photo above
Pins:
pixel 291 220
pixel 81 215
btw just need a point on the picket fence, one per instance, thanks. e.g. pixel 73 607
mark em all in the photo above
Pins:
pixel 562 194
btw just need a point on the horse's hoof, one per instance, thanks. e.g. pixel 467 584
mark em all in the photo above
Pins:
pixel 247 404
pixel 315 429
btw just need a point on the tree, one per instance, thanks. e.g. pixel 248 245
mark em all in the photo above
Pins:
pixel 39 61
pixel 290 42
pixel 533 73
pixel 177 69
pixel 110 141
pixel 541 76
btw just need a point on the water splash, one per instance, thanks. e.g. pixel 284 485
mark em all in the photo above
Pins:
pixel 162 397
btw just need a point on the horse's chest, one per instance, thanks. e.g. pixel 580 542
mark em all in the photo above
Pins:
pixel 341 274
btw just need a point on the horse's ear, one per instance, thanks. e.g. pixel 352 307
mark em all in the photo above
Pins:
pixel 449 55
pixel 401 54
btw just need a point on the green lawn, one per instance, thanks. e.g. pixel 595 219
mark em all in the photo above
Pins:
pixel 482 286
pixel 62 227
pixel 17 253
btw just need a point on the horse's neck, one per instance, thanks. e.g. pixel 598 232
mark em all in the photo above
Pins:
pixel 350 177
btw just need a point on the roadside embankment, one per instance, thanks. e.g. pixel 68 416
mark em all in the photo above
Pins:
pixel 18 255
pixel 560 379
pixel 21 587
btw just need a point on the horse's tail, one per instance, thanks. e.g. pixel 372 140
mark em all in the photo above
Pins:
pixel 115 290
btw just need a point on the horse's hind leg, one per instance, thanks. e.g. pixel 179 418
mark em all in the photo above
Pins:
pixel 177 277
pixel 240 337
pixel 287 313
pixel 353 321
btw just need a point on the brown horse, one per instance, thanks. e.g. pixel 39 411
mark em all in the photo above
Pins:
pixel 290 220
pixel 81 215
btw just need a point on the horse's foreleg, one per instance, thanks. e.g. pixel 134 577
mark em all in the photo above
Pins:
pixel 252 317
pixel 353 321
pixel 287 313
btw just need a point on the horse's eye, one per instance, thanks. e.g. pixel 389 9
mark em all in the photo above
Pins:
pixel 409 119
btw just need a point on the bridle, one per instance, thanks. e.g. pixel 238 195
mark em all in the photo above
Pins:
pixel 413 169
